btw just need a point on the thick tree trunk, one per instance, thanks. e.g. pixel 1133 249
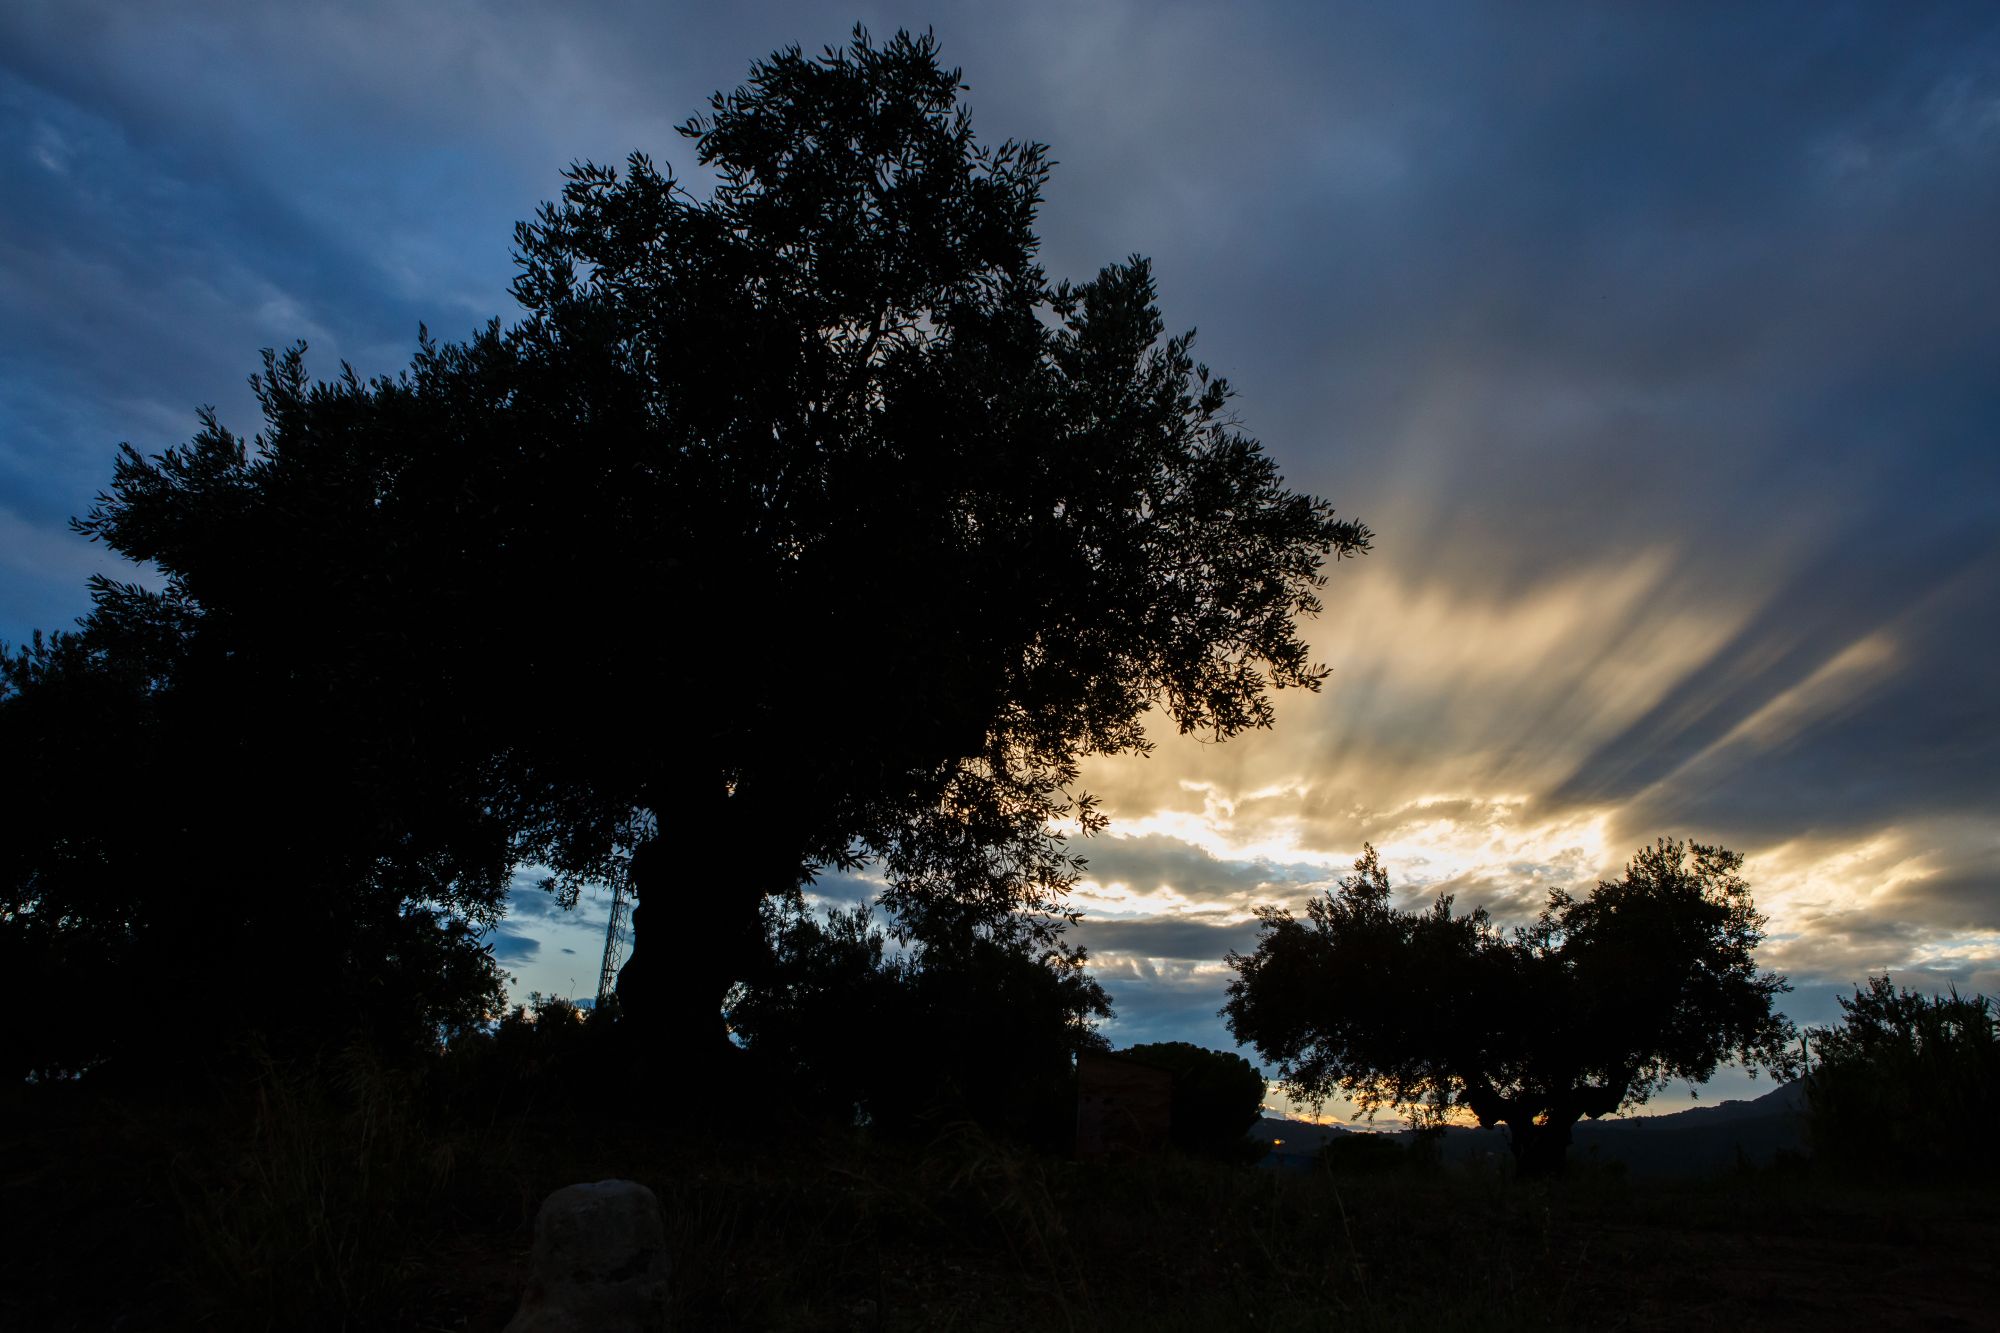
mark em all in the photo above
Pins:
pixel 696 929
pixel 1538 1127
pixel 1540 1150
pixel 695 933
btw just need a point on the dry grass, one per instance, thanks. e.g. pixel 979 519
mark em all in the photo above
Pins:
pixel 347 1197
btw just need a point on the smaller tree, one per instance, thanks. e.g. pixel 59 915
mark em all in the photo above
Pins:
pixel 170 813
pixel 812 1019
pixel 982 1023
pixel 1907 1082
pixel 1593 1007
pixel 1217 1098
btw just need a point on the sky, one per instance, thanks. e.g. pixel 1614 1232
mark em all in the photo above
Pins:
pixel 1660 346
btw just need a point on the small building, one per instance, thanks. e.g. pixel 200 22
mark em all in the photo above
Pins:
pixel 1124 1107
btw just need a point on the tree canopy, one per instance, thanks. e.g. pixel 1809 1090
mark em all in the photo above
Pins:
pixel 795 525
pixel 968 1028
pixel 186 827
pixel 1907 1082
pixel 1218 1096
pixel 1593 1007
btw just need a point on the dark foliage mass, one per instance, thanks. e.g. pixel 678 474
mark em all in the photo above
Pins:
pixel 1593 1007
pixel 180 820
pixel 800 524
pixel 973 1028
pixel 1218 1096
pixel 1907 1084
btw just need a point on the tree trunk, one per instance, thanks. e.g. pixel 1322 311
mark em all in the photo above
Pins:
pixel 1541 1151
pixel 695 933
pixel 696 928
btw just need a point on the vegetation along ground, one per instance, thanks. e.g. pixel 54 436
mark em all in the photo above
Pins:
pixel 346 1197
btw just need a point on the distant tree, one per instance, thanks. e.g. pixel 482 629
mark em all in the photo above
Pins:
pixel 813 1018
pixel 1907 1083
pixel 799 525
pixel 1218 1096
pixel 984 1027
pixel 545 1054
pixel 1594 1007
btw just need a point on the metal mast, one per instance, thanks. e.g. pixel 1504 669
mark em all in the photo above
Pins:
pixel 641 828
pixel 614 942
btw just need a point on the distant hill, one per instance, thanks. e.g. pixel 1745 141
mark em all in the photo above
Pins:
pixel 1294 1142
pixel 1699 1141
pixel 1702 1139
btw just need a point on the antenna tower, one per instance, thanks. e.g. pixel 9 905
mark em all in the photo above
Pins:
pixel 618 929
pixel 614 941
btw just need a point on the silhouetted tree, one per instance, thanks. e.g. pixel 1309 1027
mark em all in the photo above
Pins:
pixel 546 1054
pixel 185 836
pixel 1593 1007
pixel 1218 1096
pixel 813 1018
pixel 982 1027
pixel 1907 1083
pixel 798 525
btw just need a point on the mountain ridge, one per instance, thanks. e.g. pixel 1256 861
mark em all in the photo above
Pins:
pixel 1697 1141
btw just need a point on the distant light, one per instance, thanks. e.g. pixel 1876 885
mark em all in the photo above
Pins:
pixel 1277 1143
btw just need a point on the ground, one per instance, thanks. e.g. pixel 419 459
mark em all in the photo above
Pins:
pixel 308 1213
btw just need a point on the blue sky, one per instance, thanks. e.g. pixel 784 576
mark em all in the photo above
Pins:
pixel 1661 346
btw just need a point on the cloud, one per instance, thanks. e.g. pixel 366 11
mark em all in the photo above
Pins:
pixel 34 555
pixel 527 898
pixel 845 888
pixel 529 901
pixel 1128 874
pixel 1169 938
pixel 1164 1001
pixel 513 948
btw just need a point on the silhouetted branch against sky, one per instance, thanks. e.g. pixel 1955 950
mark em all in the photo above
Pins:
pixel 1657 345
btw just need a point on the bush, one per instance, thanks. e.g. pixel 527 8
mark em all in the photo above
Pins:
pixel 549 1054
pixel 977 1026
pixel 1372 1155
pixel 1217 1098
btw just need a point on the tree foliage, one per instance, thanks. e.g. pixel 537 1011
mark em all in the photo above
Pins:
pixel 979 1027
pixel 797 525
pixel 1593 1007
pixel 1907 1083
pixel 1218 1096
pixel 182 833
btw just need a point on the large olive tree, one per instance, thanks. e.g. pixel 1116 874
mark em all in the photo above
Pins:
pixel 801 522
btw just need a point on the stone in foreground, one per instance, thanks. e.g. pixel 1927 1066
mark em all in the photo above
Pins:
pixel 600 1263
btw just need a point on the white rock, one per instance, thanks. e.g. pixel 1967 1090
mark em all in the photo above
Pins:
pixel 600 1263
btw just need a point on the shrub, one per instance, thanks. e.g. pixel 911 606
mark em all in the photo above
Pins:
pixel 971 1026
pixel 1217 1097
